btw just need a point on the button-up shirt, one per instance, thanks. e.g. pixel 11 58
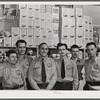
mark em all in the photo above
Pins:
pixel 80 65
pixel 11 76
pixel 35 72
pixel 71 73
pixel 92 70
pixel 25 63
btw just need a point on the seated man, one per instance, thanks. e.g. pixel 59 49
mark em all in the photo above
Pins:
pixel 11 73
pixel 42 71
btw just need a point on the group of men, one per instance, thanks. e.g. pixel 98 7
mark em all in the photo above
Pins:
pixel 21 72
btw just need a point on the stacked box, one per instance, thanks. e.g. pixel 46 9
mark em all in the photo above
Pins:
pixel 68 26
pixel 79 28
pixel 15 35
pixel 30 36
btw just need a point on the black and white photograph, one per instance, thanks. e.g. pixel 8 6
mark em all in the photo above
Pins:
pixel 49 47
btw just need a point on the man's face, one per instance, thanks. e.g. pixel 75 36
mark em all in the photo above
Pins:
pixel 21 48
pixel 75 52
pixel 43 50
pixel 62 51
pixel 91 50
pixel 13 58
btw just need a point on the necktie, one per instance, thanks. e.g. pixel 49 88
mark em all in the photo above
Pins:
pixel 62 69
pixel 43 72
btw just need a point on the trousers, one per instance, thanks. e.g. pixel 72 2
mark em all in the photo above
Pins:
pixel 63 86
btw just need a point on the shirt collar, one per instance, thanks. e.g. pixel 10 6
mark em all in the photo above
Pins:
pixel 24 57
pixel 92 60
pixel 45 58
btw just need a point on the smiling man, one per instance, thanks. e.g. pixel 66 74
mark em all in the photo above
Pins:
pixel 42 71
pixel 66 71
pixel 92 67
pixel 11 73
pixel 79 62
pixel 23 59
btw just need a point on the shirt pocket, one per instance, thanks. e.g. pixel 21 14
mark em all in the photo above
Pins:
pixel 69 70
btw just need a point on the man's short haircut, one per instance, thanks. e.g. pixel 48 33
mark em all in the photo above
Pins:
pixel 42 44
pixel 20 41
pixel 90 43
pixel 10 52
pixel 74 46
pixel 61 44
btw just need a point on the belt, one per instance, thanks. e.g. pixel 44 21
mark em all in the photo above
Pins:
pixel 93 83
pixel 14 87
pixel 42 84
pixel 64 82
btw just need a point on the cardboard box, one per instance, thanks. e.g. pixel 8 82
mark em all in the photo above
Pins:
pixel 79 31
pixel 79 12
pixel 30 32
pixel 37 22
pixel 37 41
pixel 23 32
pixel 37 13
pixel 43 32
pixel 79 41
pixel 30 22
pixel 30 41
pixel 30 13
pixel 15 30
pixel 14 40
pixel 79 21
pixel 23 12
pixel 65 40
pixel 7 41
pixel 71 40
pixel 22 6
pixel 37 32
pixel 23 22
pixel 43 23
pixel 48 24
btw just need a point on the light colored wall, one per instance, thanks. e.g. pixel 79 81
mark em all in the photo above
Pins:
pixel 94 12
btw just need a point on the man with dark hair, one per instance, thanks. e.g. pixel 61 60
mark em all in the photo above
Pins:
pixel 42 71
pixel 11 73
pixel 66 70
pixel 79 63
pixel 92 67
pixel 23 59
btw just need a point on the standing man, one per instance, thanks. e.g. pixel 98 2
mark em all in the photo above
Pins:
pixel 23 59
pixel 92 66
pixel 66 70
pixel 11 73
pixel 79 63
pixel 42 70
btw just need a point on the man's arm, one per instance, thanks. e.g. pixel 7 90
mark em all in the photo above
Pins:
pixel 23 78
pixel 75 77
pixel 30 77
pixel 53 77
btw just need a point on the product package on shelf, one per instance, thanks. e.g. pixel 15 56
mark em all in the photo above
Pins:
pixel 7 41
